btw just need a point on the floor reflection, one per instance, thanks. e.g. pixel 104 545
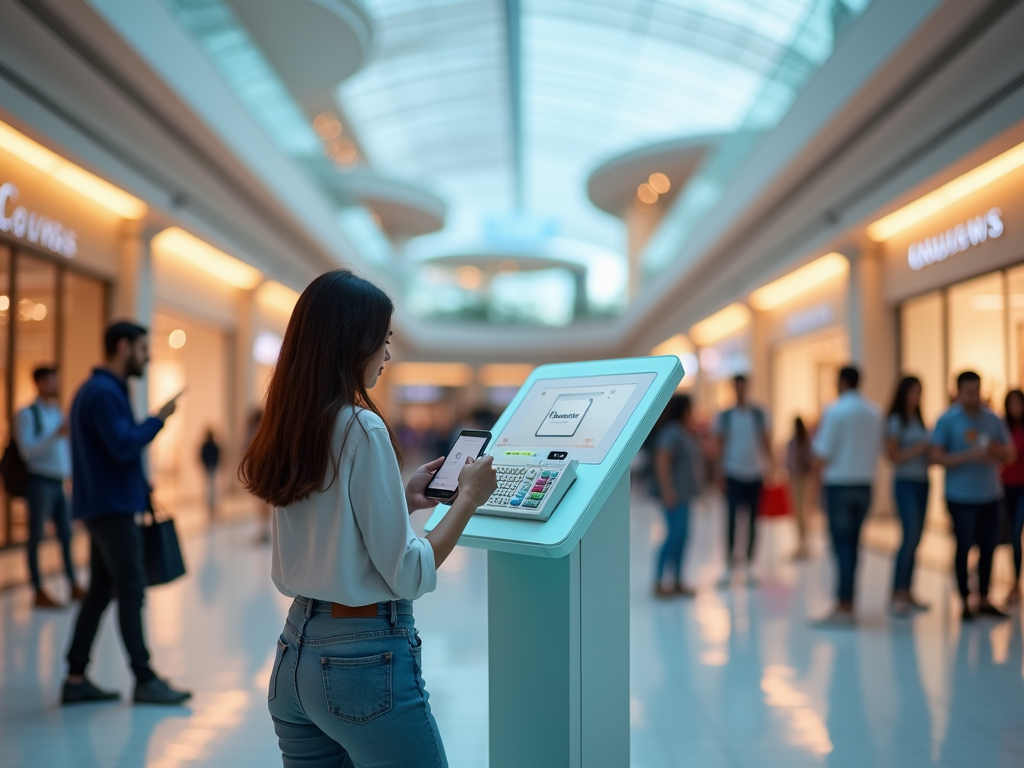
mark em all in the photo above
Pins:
pixel 735 677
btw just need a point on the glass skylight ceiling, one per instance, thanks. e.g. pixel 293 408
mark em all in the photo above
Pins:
pixel 507 127
pixel 598 78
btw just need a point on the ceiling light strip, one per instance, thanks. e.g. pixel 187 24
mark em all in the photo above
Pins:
pixel 947 194
pixel 799 281
pixel 101 192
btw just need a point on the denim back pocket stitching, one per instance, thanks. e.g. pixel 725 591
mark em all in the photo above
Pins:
pixel 275 671
pixel 365 683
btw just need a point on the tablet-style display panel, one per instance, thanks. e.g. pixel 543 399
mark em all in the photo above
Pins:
pixel 583 415
pixel 560 405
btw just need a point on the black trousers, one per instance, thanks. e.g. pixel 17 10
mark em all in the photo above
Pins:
pixel 975 524
pixel 744 494
pixel 116 571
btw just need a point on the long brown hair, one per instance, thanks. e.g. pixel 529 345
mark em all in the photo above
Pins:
pixel 337 327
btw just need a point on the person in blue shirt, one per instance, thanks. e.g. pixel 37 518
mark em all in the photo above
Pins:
pixel 110 491
pixel 971 442
pixel 41 432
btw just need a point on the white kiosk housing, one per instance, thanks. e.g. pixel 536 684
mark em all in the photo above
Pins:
pixel 558 590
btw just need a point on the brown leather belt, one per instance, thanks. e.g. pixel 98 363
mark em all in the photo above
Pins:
pixel 339 611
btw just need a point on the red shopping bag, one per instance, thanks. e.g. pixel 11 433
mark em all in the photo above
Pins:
pixel 775 501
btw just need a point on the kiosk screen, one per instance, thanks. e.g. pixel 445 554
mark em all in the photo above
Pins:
pixel 583 415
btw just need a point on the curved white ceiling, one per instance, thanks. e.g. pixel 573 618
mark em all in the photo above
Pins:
pixel 596 78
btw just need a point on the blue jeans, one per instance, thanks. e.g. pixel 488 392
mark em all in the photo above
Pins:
pixel 348 693
pixel 912 505
pixel 46 501
pixel 677 523
pixel 848 505
pixel 747 494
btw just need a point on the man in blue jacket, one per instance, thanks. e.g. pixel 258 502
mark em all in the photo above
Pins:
pixel 109 491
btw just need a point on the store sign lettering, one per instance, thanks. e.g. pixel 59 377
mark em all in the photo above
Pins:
pixel 956 239
pixel 34 227
pixel 810 319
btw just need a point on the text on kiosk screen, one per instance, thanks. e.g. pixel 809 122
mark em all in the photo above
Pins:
pixel 579 417
pixel 447 477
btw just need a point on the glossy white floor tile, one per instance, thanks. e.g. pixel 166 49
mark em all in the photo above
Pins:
pixel 735 677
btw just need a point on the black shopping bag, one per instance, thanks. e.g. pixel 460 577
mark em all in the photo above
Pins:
pixel 164 562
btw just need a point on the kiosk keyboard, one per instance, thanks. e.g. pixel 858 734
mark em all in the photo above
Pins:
pixel 529 486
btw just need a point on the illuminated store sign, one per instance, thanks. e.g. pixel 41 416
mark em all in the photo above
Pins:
pixel 956 239
pixel 810 319
pixel 34 227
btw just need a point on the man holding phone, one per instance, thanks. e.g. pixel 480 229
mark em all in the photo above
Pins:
pixel 109 490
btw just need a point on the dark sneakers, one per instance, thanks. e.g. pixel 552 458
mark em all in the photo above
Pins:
pixel 990 610
pixel 44 600
pixel 85 691
pixel 157 691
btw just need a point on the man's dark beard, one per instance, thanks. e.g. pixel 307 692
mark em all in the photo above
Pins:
pixel 134 368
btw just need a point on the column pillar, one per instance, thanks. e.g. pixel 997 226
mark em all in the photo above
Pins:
pixel 133 292
pixel 641 222
pixel 873 343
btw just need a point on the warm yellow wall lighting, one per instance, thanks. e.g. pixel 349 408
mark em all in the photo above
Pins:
pixel 277 297
pixel 432 374
pixel 115 200
pixel 177 242
pixel 947 194
pixel 503 374
pixel 798 281
pixel 723 323
pixel 678 345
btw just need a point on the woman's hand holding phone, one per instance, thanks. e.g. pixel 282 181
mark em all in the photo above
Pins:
pixel 417 485
pixel 477 481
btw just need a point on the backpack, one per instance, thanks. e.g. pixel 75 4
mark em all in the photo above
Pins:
pixel 13 469
pixel 760 423
pixel 759 420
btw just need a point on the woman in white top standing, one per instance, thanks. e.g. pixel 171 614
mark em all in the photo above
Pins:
pixel 346 688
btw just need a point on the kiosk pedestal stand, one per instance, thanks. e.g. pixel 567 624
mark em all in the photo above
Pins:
pixel 558 641
pixel 558 589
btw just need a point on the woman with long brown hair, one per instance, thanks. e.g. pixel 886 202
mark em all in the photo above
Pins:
pixel 345 688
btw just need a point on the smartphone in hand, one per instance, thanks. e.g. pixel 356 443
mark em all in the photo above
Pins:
pixel 471 445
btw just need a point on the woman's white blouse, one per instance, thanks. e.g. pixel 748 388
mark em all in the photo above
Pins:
pixel 352 543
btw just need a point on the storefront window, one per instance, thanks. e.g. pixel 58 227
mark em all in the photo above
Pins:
pixel 5 316
pixel 35 326
pixel 189 354
pixel 1015 327
pixel 82 324
pixel 922 342
pixel 51 326
pixel 805 373
pixel 977 334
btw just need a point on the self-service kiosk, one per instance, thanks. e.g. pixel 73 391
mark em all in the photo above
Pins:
pixel 557 532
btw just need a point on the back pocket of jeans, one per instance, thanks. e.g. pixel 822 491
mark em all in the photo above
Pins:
pixel 275 671
pixel 358 690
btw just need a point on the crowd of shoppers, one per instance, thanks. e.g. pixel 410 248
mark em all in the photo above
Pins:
pixel 678 476
pixel 800 469
pixel 970 441
pixel 847 447
pixel 109 493
pixel 744 451
pixel 907 445
pixel 983 457
pixel 41 433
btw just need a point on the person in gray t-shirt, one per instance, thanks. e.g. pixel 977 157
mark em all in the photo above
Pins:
pixel 907 440
pixel 678 466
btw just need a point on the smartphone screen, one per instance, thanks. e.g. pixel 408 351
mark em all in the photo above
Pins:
pixel 471 444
